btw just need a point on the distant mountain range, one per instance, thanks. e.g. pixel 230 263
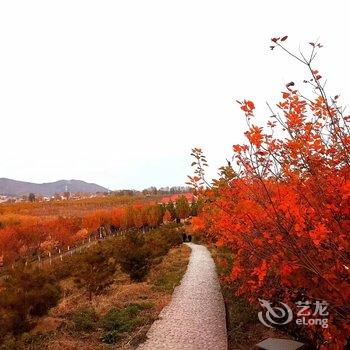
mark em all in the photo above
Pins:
pixel 10 187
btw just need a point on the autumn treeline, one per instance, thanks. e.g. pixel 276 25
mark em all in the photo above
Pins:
pixel 26 236
pixel 69 207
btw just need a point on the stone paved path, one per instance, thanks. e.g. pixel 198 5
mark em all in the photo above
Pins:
pixel 195 318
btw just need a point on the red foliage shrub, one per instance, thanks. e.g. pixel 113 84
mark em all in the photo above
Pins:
pixel 284 208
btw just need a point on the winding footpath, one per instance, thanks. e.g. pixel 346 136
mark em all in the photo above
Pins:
pixel 195 318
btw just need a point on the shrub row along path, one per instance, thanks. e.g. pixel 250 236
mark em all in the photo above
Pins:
pixel 195 318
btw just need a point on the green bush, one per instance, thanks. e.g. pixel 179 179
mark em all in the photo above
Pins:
pixel 27 292
pixel 134 255
pixel 85 320
pixel 135 252
pixel 95 270
pixel 110 337
pixel 121 320
pixel 163 239
pixel 62 270
pixel 144 306
pixel 117 321
pixel 47 298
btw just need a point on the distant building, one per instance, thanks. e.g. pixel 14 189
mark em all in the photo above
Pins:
pixel 3 199
pixel 174 197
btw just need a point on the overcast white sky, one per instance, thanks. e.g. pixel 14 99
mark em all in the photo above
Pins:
pixel 118 92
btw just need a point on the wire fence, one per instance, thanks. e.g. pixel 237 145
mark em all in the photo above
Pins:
pixel 60 252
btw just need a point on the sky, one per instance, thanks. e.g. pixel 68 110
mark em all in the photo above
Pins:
pixel 118 92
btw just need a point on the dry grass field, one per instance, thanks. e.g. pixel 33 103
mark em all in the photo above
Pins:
pixel 77 323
